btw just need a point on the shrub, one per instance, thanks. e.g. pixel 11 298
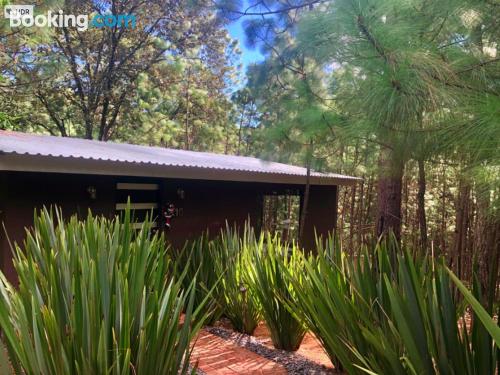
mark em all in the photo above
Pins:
pixel 233 261
pixel 197 259
pixel 94 298
pixel 374 316
pixel 272 262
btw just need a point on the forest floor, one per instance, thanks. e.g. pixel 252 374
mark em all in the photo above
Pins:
pixel 221 351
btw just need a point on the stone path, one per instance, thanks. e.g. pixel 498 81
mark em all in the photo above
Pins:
pixel 216 356
pixel 310 347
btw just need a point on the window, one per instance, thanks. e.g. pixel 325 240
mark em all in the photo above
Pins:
pixel 144 200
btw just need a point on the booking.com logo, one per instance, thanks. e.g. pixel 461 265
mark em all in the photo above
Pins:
pixel 23 15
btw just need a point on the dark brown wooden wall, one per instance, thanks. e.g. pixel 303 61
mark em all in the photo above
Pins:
pixel 321 214
pixel 206 204
pixel 23 192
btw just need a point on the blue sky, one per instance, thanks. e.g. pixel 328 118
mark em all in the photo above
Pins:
pixel 249 55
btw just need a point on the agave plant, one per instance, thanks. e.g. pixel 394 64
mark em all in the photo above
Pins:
pixel 234 261
pixel 197 259
pixel 381 317
pixel 94 297
pixel 273 260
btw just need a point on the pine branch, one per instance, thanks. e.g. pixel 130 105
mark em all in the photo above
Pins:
pixel 248 11
pixel 481 64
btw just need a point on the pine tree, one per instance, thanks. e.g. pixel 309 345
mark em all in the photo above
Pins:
pixel 84 83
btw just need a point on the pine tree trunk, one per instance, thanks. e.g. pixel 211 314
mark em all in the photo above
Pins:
pixel 226 142
pixel 274 213
pixel 303 212
pixel 360 214
pixel 422 219
pixel 240 129
pixel 405 218
pixel 461 226
pixel 343 214
pixel 389 193
pixel 186 120
pixel 352 219
pixel 443 215
pixel 288 216
pixel 369 203
pixel 486 247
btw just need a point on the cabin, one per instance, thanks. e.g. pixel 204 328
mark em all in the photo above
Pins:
pixel 188 192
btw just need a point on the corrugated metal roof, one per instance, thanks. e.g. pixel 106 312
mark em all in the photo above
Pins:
pixel 64 147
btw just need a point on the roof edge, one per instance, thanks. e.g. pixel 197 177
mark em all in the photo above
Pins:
pixel 52 164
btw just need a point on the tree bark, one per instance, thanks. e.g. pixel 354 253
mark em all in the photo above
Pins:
pixel 226 142
pixel 186 120
pixel 389 193
pixel 367 215
pixel 422 219
pixel 443 236
pixel 352 220
pixel 360 214
pixel 461 225
pixel 486 245
pixel 303 213
pixel 240 128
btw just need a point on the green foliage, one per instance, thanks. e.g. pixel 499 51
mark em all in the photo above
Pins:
pixel 234 261
pixel 273 260
pixel 222 267
pixel 380 316
pixel 6 121
pixel 481 313
pixel 197 260
pixel 94 297
pixel 380 87
pixel 295 114
pixel 152 84
pixel 192 113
